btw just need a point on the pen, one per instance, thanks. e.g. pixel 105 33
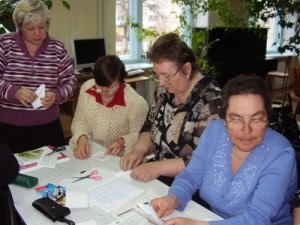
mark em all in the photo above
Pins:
pixel 122 213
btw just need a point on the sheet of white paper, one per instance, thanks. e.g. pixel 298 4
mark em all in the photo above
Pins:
pixel 85 214
pixel 77 192
pixel 131 218
pixel 98 152
pixel 40 92
pixel 114 195
pixel 76 197
pixel 88 184
pixel 90 222
pixel 148 212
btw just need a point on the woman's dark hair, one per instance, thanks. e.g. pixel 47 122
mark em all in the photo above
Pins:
pixel 242 85
pixel 171 48
pixel 108 69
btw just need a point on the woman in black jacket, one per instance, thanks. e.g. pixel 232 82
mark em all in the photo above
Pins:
pixel 9 167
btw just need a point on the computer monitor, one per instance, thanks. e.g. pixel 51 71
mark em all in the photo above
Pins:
pixel 86 52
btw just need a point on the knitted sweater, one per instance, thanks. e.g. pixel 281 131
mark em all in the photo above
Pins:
pixel 50 66
pixel 106 124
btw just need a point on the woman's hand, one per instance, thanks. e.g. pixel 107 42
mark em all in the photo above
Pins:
pixel 132 159
pixel 25 96
pixel 184 221
pixel 164 206
pixel 116 148
pixel 82 151
pixel 49 99
pixel 147 171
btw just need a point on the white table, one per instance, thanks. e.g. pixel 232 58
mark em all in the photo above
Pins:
pixel 24 197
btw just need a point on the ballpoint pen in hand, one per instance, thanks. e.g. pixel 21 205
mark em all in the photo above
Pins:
pixel 93 175
pixel 56 149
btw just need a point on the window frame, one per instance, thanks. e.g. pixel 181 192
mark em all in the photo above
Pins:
pixel 136 46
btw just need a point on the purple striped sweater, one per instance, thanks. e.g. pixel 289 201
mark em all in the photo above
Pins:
pixel 51 66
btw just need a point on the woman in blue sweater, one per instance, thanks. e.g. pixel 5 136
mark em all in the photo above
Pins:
pixel 244 170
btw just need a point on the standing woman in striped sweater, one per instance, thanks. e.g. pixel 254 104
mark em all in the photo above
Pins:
pixel 29 58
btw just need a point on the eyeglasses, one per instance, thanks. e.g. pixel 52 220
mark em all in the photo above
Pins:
pixel 239 124
pixel 108 91
pixel 166 79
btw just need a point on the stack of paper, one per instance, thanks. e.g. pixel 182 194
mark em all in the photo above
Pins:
pixel 115 194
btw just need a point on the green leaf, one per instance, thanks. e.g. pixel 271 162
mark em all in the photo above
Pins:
pixel 66 4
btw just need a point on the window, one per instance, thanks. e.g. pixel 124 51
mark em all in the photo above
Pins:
pixel 161 16
pixel 156 16
pixel 274 35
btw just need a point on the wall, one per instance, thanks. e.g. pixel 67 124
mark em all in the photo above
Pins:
pixel 81 21
pixel 85 19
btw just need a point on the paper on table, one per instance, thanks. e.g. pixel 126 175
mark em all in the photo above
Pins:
pixel 89 184
pixel 130 218
pixel 148 212
pixel 82 215
pixel 77 192
pixel 31 156
pixel 115 194
pixel 40 92
pixel 76 197
pixel 32 163
pixel 90 222
pixel 98 152
pixel 145 198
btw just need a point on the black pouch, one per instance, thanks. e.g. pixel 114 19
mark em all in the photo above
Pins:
pixel 52 210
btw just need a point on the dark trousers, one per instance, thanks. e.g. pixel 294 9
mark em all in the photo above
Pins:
pixel 169 180
pixel 24 138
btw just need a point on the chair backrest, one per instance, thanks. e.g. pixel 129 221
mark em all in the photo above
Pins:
pixel 296 71
pixel 7 207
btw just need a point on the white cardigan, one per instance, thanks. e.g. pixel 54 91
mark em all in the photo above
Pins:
pixel 104 124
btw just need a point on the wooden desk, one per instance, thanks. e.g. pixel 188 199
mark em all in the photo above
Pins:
pixel 23 197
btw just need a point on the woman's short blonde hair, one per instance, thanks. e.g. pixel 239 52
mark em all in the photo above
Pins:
pixel 30 11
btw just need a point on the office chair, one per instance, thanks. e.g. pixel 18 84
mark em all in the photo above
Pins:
pixel 7 207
